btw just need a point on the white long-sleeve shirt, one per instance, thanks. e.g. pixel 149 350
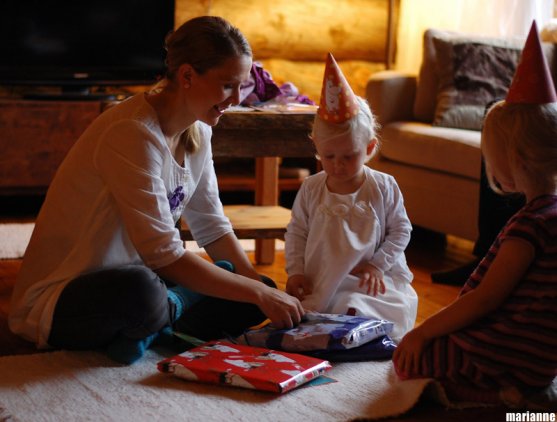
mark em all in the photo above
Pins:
pixel 115 200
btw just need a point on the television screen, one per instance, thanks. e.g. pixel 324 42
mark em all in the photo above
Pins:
pixel 83 43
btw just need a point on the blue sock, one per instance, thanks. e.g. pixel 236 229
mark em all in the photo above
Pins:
pixel 178 301
pixel 183 298
pixel 225 265
pixel 127 351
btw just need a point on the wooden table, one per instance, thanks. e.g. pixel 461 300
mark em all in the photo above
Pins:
pixel 267 137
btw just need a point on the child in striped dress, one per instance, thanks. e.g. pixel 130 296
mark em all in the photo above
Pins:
pixel 497 340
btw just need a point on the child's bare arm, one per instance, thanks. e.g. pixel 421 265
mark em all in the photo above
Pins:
pixel 507 269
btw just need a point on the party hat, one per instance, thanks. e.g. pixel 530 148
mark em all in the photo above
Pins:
pixel 532 82
pixel 338 102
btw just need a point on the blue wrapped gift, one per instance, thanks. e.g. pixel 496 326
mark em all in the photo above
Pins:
pixel 320 332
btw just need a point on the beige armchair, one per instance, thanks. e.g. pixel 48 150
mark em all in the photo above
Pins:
pixel 437 169
pixel 431 125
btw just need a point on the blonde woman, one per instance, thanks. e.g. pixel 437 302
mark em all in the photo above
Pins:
pixel 105 241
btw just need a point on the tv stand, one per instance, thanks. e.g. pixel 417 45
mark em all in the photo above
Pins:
pixel 35 136
pixel 72 96
pixel 73 93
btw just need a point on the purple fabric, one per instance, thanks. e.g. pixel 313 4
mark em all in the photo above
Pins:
pixel 260 88
pixel 265 88
pixel 176 198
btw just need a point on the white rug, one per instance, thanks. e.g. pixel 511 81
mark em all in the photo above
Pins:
pixel 87 386
pixel 14 238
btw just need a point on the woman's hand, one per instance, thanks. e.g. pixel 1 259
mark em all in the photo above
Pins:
pixel 408 354
pixel 371 277
pixel 284 310
pixel 191 271
pixel 298 286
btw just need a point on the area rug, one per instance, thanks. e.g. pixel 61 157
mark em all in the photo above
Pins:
pixel 77 386
pixel 14 238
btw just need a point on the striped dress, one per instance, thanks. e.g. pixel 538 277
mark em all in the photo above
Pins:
pixel 514 346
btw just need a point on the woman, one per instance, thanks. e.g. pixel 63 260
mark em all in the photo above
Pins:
pixel 105 240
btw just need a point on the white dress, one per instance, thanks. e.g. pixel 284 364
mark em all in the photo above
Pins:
pixel 330 234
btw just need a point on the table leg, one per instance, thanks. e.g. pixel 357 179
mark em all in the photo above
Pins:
pixel 266 193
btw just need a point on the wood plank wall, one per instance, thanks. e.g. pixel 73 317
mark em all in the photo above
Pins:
pixel 292 38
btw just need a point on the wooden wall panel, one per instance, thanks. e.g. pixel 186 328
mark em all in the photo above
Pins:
pixel 292 38
pixel 302 30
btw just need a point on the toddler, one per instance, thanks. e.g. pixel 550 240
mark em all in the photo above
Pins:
pixel 345 242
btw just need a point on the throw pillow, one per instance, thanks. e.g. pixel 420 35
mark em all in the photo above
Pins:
pixel 471 75
pixel 428 80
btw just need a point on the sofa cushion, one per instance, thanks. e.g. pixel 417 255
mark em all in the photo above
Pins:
pixel 455 151
pixel 471 75
pixel 428 79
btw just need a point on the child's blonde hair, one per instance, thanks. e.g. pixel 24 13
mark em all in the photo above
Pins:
pixel 362 127
pixel 528 135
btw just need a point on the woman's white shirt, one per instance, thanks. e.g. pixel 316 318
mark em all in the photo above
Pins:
pixel 115 201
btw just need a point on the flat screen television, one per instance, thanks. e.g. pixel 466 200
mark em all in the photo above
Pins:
pixel 81 44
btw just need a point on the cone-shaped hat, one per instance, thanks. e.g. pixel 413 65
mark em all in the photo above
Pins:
pixel 338 102
pixel 532 82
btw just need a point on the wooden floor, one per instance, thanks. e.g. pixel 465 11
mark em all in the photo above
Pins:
pixel 426 253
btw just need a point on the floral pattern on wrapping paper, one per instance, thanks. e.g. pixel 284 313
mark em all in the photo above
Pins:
pixel 175 198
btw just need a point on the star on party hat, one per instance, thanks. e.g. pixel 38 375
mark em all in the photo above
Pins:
pixel 338 102
pixel 532 82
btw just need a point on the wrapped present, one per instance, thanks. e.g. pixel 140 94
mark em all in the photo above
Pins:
pixel 381 348
pixel 220 362
pixel 320 332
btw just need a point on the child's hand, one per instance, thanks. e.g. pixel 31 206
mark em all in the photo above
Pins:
pixel 371 277
pixel 298 286
pixel 407 356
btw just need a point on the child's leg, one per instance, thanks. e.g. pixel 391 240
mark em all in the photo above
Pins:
pixel 461 379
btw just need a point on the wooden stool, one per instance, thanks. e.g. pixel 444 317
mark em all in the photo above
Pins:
pixel 252 222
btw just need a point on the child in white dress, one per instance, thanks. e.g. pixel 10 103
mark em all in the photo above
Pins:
pixel 345 242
